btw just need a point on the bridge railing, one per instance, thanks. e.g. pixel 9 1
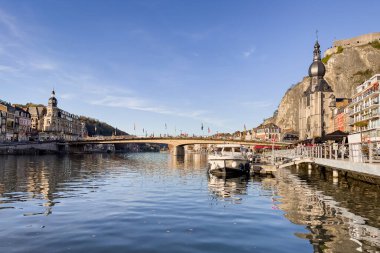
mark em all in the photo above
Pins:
pixel 356 152
pixel 227 139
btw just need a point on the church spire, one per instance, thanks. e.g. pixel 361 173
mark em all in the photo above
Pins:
pixel 317 51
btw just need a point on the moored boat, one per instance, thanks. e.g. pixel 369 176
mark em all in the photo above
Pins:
pixel 228 159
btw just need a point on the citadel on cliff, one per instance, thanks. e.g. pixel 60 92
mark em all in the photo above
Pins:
pixel 339 94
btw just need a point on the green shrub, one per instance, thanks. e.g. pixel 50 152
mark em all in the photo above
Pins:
pixel 339 50
pixel 366 73
pixel 326 58
pixel 375 44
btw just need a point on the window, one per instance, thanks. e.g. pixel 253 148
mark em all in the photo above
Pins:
pixel 227 149
pixel 237 150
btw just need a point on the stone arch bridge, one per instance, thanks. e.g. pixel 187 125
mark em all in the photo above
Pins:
pixel 175 144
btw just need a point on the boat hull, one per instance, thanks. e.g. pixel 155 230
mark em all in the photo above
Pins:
pixel 223 167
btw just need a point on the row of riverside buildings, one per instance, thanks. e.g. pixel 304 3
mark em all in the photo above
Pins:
pixel 322 114
pixel 39 122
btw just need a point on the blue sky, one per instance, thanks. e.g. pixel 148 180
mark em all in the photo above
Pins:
pixel 223 63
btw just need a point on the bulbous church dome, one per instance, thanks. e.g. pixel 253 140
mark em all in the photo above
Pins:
pixel 317 68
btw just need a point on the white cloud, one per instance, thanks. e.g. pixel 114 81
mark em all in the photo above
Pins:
pixel 43 65
pixel 4 68
pixel 249 52
pixel 141 104
pixel 9 22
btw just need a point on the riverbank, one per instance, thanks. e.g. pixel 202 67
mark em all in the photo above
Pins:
pixel 29 148
pixel 59 147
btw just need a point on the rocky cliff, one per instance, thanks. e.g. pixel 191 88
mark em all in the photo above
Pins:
pixel 345 69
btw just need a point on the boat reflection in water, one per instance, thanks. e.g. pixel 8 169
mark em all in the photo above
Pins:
pixel 228 188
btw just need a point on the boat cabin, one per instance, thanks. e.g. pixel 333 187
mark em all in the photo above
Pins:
pixel 229 149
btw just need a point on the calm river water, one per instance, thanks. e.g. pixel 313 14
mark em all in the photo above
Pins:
pixel 152 202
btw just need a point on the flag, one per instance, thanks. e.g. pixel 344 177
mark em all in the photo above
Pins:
pixel 143 130
pixel 134 126
pixel 208 130
pixel 166 127
pixel 245 128
pixel 202 127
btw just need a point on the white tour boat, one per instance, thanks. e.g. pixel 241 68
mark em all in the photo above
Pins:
pixel 228 159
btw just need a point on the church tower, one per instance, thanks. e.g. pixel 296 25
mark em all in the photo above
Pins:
pixel 317 102
pixel 53 102
pixel 52 112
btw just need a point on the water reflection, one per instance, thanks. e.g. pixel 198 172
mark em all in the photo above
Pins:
pixel 188 161
pixel 24 177
pixel 332 226
pixel 230 188
pixel 151 193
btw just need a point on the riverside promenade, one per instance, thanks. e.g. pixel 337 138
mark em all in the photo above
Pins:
pixel 358 160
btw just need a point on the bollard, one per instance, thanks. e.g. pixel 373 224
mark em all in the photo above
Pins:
pixel 335 176
pixel 309 168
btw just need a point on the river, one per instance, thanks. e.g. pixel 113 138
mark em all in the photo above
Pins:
pixel 153 202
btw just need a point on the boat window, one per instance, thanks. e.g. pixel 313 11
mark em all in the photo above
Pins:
pixel 237 150
pixel 219 150
pixel 227 149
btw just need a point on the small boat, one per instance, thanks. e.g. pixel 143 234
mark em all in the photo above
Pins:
pixel 228 159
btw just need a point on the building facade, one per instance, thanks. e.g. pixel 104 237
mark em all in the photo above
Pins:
pixel 318 101
pixel 7 122
pixel 3 120
pixel 39 122
pixel 59 124
pixel 364 110
pixel 23 122
pixel 341 117
pixel 37 114
pixel 268 132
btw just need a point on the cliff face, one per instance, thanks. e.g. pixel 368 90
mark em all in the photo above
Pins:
pixel 345 69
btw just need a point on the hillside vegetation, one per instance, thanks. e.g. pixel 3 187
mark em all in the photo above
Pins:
pixel 102 128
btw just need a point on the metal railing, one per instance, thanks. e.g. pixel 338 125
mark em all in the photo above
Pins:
pixel 355 152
